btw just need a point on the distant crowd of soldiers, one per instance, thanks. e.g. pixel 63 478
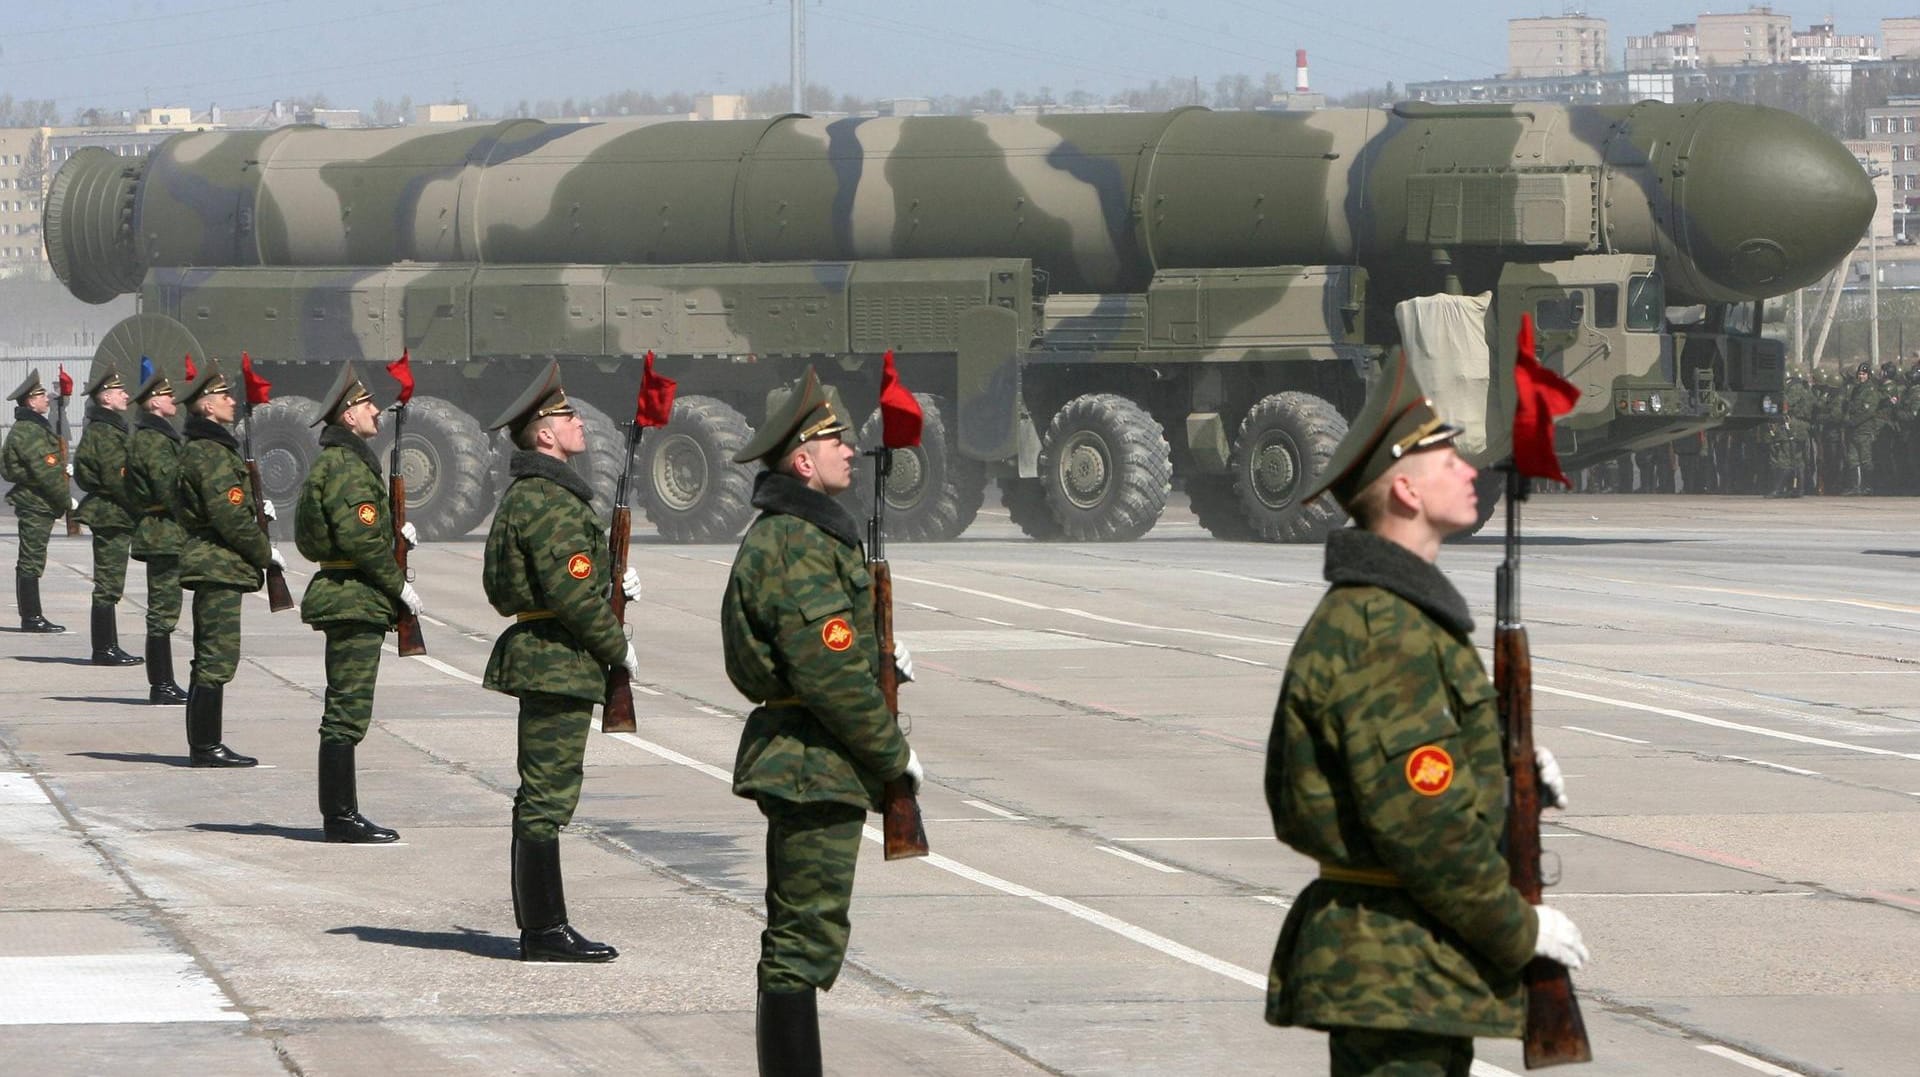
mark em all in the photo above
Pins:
pixel 1845 432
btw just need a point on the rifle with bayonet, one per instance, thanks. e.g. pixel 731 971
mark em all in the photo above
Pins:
pixel 258 391
pixel 652 407
pixel 408 639
pixel 60 428
pixel 901 823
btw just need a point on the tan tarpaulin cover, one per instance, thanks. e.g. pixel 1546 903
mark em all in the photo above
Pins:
pixel 1446 341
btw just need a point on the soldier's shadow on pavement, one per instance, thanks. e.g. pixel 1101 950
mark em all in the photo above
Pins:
pixel 137 757
pixel 1891 553
pixel 465 939
pixel 124 701
pixel 268 830
pixel 1490 538
pixel 53 659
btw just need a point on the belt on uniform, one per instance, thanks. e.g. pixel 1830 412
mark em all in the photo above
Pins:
pixel 155 510
pixel 789 701
pixel 534 615
pixel 1334 873
pixel 335 564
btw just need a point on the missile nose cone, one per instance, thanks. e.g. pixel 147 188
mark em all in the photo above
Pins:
pixel 1767 202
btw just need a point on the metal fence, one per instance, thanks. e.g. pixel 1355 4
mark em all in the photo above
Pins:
pixel 14 364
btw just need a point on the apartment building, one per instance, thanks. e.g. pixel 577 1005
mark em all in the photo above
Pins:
pixel 1556 47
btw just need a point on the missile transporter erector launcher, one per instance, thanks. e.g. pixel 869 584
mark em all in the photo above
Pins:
pixel 1090 306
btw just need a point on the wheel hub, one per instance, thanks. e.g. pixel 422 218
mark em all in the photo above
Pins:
pixel 420 469
pixel 1275 473
pixel 679 473
pixel 1084 467
pixel 907 480
pixel 279 469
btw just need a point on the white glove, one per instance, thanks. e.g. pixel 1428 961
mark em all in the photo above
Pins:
pixel 76 502
pixel 1550 776
pixel 69 469
pixel 902 661
pixel 410 598
pixel 632 662
pixel 1559 938
pixel 630 584
pixel 266 509
pixel 411 536
pixel 915 773
pixel 279 562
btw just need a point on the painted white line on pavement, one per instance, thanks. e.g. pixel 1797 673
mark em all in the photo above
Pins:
pixel 1773 766
pixel 1689 894
pixel 1071 612
pixel 924 606
pixel 1722 723
pixel 1747 1060
pixel 1262 837
pixel 649 691
pixel 1488 1069
pixel 435 663
pixel 991 621
pixel 995 809
pixel 1140 860
pixel 1249 579
pixel 1609 736
pixel 18 787
pixel 1271 900
pixel 672 756
pixel 101 989
pixel 1243 661
pixel 434 621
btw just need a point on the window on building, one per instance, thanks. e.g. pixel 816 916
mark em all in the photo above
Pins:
pixel 1879 125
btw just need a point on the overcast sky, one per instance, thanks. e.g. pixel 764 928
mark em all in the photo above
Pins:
pixel 130 53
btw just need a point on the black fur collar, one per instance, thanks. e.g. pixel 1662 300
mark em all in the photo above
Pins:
pixel 201 428
pixel 25 414
pixel 1362 557
pixel 528 464
pixel 150 421
pixel 776 492
pixel 335 436
pixel 100 413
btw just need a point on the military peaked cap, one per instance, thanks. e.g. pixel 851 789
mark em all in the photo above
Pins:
pixel 105 376
pixel 1397 419
pixel 211 380
pixel 546 396
pixel 347 390
pixel 155 385
pixel 796 414
pixel 27 388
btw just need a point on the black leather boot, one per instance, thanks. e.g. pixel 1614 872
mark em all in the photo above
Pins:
pixel 162 689
pixel 31 620
pixel 786 1029
pixel 1782 479
pixel 204 705
pixel 540 908
pixel 340 800
pixel 106 639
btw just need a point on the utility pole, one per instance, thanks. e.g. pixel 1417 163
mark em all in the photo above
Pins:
pixel 798 64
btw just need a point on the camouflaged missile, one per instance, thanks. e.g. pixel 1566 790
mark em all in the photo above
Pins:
pixel 1094 304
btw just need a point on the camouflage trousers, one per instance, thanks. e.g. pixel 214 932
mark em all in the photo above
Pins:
pixel 811 852
pixel 163 594
pixel 553 752
pixel 35 529
pixel 216 633
pixel 353 663
pixel 1378 1052
pixel 110 549
pixel 1859 446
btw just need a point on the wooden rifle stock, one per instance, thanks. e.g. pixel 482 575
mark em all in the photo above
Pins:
pixel 1555 1033
pixel 73 522
pixel 905 831
pixel 617 716
pixel 278 597
pixel 408 639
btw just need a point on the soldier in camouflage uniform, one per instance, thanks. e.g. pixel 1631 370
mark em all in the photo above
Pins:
pixel 797 628
pixel 1386 766
pixel 343 524
pixel 100 469
pixel 1863 415
pixel 226 555
pixel 546 567
pixel 31 461
pixel 153 489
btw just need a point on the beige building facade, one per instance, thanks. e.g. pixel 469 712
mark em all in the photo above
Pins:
pixel 1556 46
pixel 23 176
pixel 1897 124
pixel 1900 38
pixel 1752 37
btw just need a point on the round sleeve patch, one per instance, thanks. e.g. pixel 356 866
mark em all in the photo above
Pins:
pixel 236 496
pixel 579 566
pixel 368 514
pixel 1430 770
pixel 837 634
pixel 52 459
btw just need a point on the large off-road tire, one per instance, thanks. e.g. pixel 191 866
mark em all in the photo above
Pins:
pixel 934 493
pixel 1026 503
pixel 284 444
pixel 1285 442
pixel 600 464
pixel 692 489
pixel 1106 468
pixel 1217 507
pixel 447 466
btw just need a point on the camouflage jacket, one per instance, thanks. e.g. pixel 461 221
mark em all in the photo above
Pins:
pixel 1866 404
pixel 153 488
pixel 225 546
pixel 31 461
pixel 1386 757
pixel 100 468
pixel 341 524
pixel 547 556
pixel 797 627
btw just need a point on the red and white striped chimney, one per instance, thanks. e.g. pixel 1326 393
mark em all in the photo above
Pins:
pixel 1300 71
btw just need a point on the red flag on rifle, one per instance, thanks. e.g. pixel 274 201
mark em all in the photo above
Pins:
pixel 259 389
pixel 192 372
pixel 66 382
pixel 655 405
pixel 1540 394
pixel 402 371
pixel 900 414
